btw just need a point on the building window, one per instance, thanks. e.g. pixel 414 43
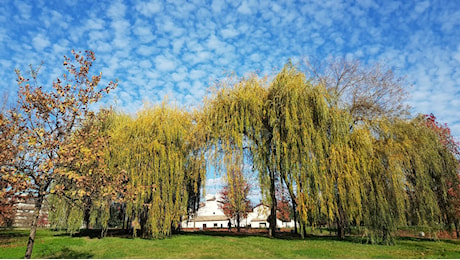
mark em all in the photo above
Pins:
pixel 204 226
pixel 221 226
pixel 215 225
pixel 263 225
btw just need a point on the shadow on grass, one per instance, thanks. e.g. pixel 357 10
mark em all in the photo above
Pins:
pixel 13 233
pixel 278 235
pixel 67 253
pixel 96 233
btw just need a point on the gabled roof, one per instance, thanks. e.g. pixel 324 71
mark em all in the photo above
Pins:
pixel 258 220
pixel 211 218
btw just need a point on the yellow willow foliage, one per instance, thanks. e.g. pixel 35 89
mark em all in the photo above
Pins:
pixel 64 215
pixel 379 173
pixel 342 170
pixel 406 177
pixel 231 115
pixel 297 115
pixel 429 168
pixel 382 190
pixel 158 152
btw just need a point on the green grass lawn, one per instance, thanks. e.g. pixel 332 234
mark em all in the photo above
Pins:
pixel 50 244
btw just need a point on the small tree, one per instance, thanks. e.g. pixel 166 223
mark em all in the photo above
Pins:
pixel 235 202
pixel 48 120
pixel 284 209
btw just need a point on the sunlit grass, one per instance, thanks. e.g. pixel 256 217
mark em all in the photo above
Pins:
pixel 50 244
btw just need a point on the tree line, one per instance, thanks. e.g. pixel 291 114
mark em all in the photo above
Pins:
pixel 336 135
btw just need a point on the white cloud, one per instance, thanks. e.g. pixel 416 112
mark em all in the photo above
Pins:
pixel 456 54
pixel 117 10
pixel 229 32
pixel 178 77
pixel 217 5
pixel 24 9
pixel 215 44
pixel 61 47
pixel 420 7
pixel 40 42
pixel 144 33
pixel 197 74
pixel 166 24
pixel 95 24
pixel 146 50
pixel 244 8
pixel 145 64
pixel 366 4
pixel 177 45
pixel 98 35
pixel 164 63
pixel 120 26
pixel 149 8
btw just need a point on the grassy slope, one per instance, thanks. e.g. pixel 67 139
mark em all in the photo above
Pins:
pixel 56 245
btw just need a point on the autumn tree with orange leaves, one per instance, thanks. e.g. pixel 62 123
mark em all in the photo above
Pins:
pixel 235 202
pixel 88 186
pixel 10 182
pixel 48 119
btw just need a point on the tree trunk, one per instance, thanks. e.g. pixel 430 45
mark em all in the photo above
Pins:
pixel 456 229
pixel 143 217
pixel 340 229
pixel 294 205
pixel 33 229
pixel 294 214
pixel 272 220
pixel 87 212
pixel 238 222
pixel 341 222
pixel 302 229
pixel 104 232
pixel 123 227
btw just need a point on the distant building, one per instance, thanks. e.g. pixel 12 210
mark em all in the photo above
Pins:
pixel 210 215
pixel 258 218
pixel 25 209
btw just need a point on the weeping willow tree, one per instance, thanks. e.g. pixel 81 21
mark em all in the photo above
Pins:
pixel 296 119
pixel 405 173
pixel 429 169
pixel 234 119
pixel 311 150
pixel 159 151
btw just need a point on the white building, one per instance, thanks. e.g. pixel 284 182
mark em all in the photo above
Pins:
pixel 258 218
pixel 210 215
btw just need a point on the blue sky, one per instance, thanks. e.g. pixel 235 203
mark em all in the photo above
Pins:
pixel 180 48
